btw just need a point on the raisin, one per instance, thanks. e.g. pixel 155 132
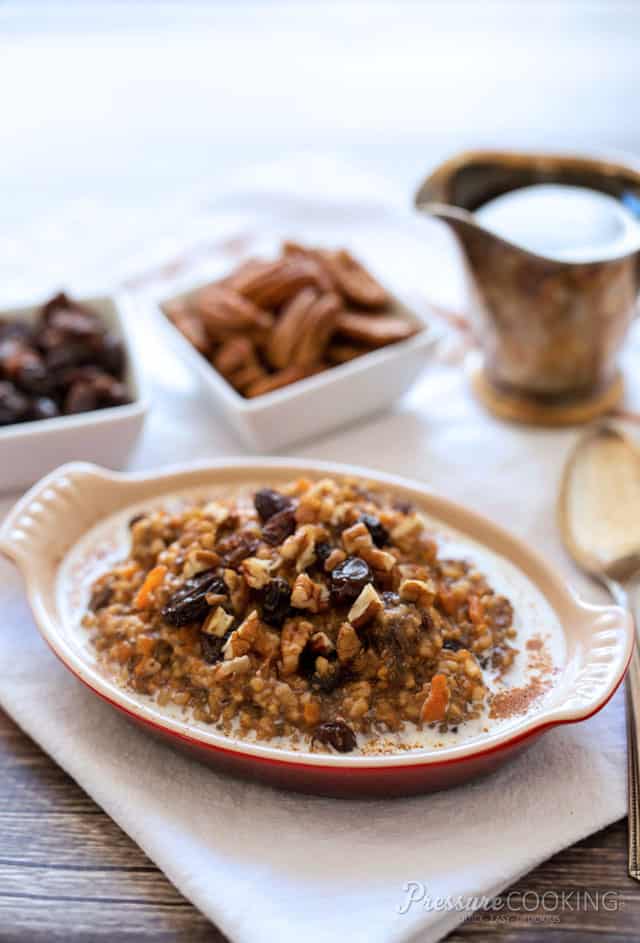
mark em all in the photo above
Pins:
pixel 348 580
pixel 43 407
pixel 110 355
pixel 236 547
pixel 189 603
pixel 269 502
pixel 337 734
pixel 452 645
pixel 276 602
pixel 211 647
pixel 323 552
pixel 81 398
pixel 101 597
pixel 14 406
pixel 379 533
pixel 279 527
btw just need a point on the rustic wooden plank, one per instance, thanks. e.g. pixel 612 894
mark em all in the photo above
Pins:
pixel 68 873
pixel 73 921
pixel 70 839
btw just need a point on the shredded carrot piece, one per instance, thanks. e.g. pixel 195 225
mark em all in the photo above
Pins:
pixel 435 706
pixel 153 579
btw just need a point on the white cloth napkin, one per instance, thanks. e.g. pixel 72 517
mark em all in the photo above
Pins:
pixel 267 865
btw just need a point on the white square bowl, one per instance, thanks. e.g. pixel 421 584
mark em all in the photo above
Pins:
pixel 29 450
pixel 315 405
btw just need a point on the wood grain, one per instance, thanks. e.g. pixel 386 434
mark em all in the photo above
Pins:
pixel 69 874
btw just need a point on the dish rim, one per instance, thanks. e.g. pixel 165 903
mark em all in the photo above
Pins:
pixel 42 497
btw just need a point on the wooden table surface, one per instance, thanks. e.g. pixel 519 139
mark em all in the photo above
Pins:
pixel 68 873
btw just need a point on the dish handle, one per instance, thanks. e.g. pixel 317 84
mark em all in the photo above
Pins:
pixel 43 523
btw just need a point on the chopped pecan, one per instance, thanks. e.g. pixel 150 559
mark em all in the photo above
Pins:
pixel 300 547
pixel 419 591
pixel 367 605
pixel 217 623
pixel 306 594
pixel 357 540
pixel 238 590
pixel 243 638
pixel 199 560
pixel 256 572
pixel 295 635
pixel 407 530
pixel 348 643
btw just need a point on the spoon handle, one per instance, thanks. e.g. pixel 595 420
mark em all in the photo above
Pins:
pixel 632 686
pixel 627 596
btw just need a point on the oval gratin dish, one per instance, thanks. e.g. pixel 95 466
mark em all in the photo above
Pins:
pixel 64 517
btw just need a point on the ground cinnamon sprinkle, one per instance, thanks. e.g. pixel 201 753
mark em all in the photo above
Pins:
pixel 516 701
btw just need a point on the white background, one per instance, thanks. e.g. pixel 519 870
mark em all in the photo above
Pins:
pixel 123 108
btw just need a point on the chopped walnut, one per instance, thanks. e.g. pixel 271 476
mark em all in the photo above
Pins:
pixel 309 595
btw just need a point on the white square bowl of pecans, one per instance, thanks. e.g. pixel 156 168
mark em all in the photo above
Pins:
pixel 291 347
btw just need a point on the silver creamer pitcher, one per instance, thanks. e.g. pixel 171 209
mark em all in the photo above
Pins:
pixel 550 330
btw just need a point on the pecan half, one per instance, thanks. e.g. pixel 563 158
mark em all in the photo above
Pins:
pixel 353 280
pixel 374 330
pixel 271 284
pixel 225 311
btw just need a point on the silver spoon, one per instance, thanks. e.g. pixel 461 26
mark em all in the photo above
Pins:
pixel 599 517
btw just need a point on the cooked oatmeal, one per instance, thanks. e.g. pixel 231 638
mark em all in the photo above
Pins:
pixel 320 612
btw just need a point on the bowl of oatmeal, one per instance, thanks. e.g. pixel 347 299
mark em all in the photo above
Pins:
pixel 315 626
